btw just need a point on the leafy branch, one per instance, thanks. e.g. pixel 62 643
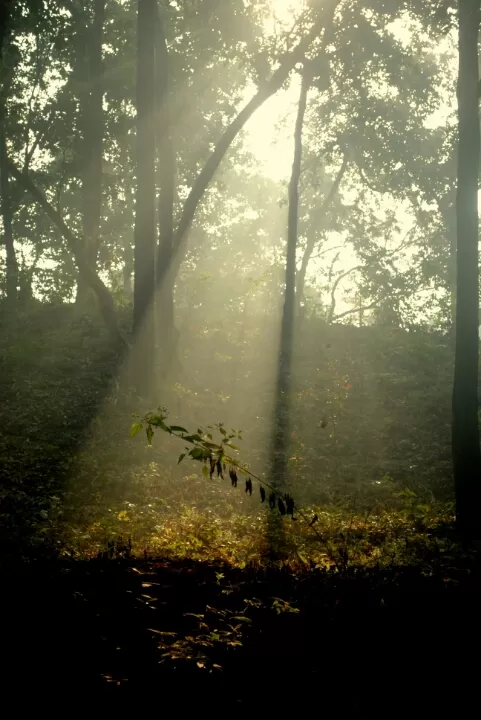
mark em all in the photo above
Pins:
pixel 217 459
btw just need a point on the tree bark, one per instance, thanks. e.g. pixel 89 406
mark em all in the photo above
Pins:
pixel 93 128
pixel 7 213
pixel 166 181
pixel 145 225
pixel 280 445
pixel 465 431
pixel 5 197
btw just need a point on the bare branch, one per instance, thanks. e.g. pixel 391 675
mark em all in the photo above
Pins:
pixel 372 306
pixel 301 275
pixel 334 288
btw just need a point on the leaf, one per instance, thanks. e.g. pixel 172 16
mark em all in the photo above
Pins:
pixel 178 428
pixel 222 430
pixel 150 434
pixel 205 471
pixel 181 457
pixel 197 453
pixel 135 429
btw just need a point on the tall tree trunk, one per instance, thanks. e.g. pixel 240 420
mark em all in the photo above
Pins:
pixel 5 198
pixel 465 431
pixel 280 445
pixel 92 127
pixel 145 225
pixel 166 175
pixel 6 207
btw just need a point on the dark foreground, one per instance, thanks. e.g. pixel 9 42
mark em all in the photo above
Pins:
pixel 183 637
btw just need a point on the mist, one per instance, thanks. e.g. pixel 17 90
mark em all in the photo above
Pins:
pixel 239 348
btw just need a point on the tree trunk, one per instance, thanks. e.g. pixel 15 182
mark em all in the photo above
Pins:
pixel 92 127
pixel 5 198
pixel 145 226
pixel 280 445
pixel 7 214
pixel 465 431
pixel 166 175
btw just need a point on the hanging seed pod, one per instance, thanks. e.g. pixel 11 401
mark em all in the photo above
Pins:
pixel 272 500
pixel 224 467
pixel 249 486
pixel 212 467
pixel 219 469
pixel 263 493
pixel 233 477
pixel 289 504
pixel 281 506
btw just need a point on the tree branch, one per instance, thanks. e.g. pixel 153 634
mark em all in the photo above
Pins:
pixel 334 288
pixel 301 275
pixel 372 306
pixel 208 171
pixel 105 300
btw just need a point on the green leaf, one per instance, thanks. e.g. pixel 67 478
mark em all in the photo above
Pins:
pixel 221 430
pixel 135 429
pixel 177 428
pixel 197 453
pixel 181 457
pixel 205 471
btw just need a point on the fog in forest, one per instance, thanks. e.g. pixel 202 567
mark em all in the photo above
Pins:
pixel 239 325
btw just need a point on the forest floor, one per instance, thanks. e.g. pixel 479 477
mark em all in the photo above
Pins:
pixel 370 612
pixel 191 636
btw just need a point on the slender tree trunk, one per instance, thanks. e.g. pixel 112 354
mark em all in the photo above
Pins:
pixel 93 128
pixel 145 225
pixel 7 214
pixel 5 198
pixel 465 431
pixel 281 440
pixel 166 174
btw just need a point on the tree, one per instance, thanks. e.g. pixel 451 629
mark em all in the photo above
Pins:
pixel 282 408
pixel 91 68
pixel 465 430
pixel 166 183
pixel 145 234
pixel 8 58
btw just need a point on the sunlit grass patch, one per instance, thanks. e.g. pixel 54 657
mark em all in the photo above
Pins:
pixel 201 519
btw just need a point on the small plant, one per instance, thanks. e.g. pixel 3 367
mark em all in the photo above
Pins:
pixel 217 459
